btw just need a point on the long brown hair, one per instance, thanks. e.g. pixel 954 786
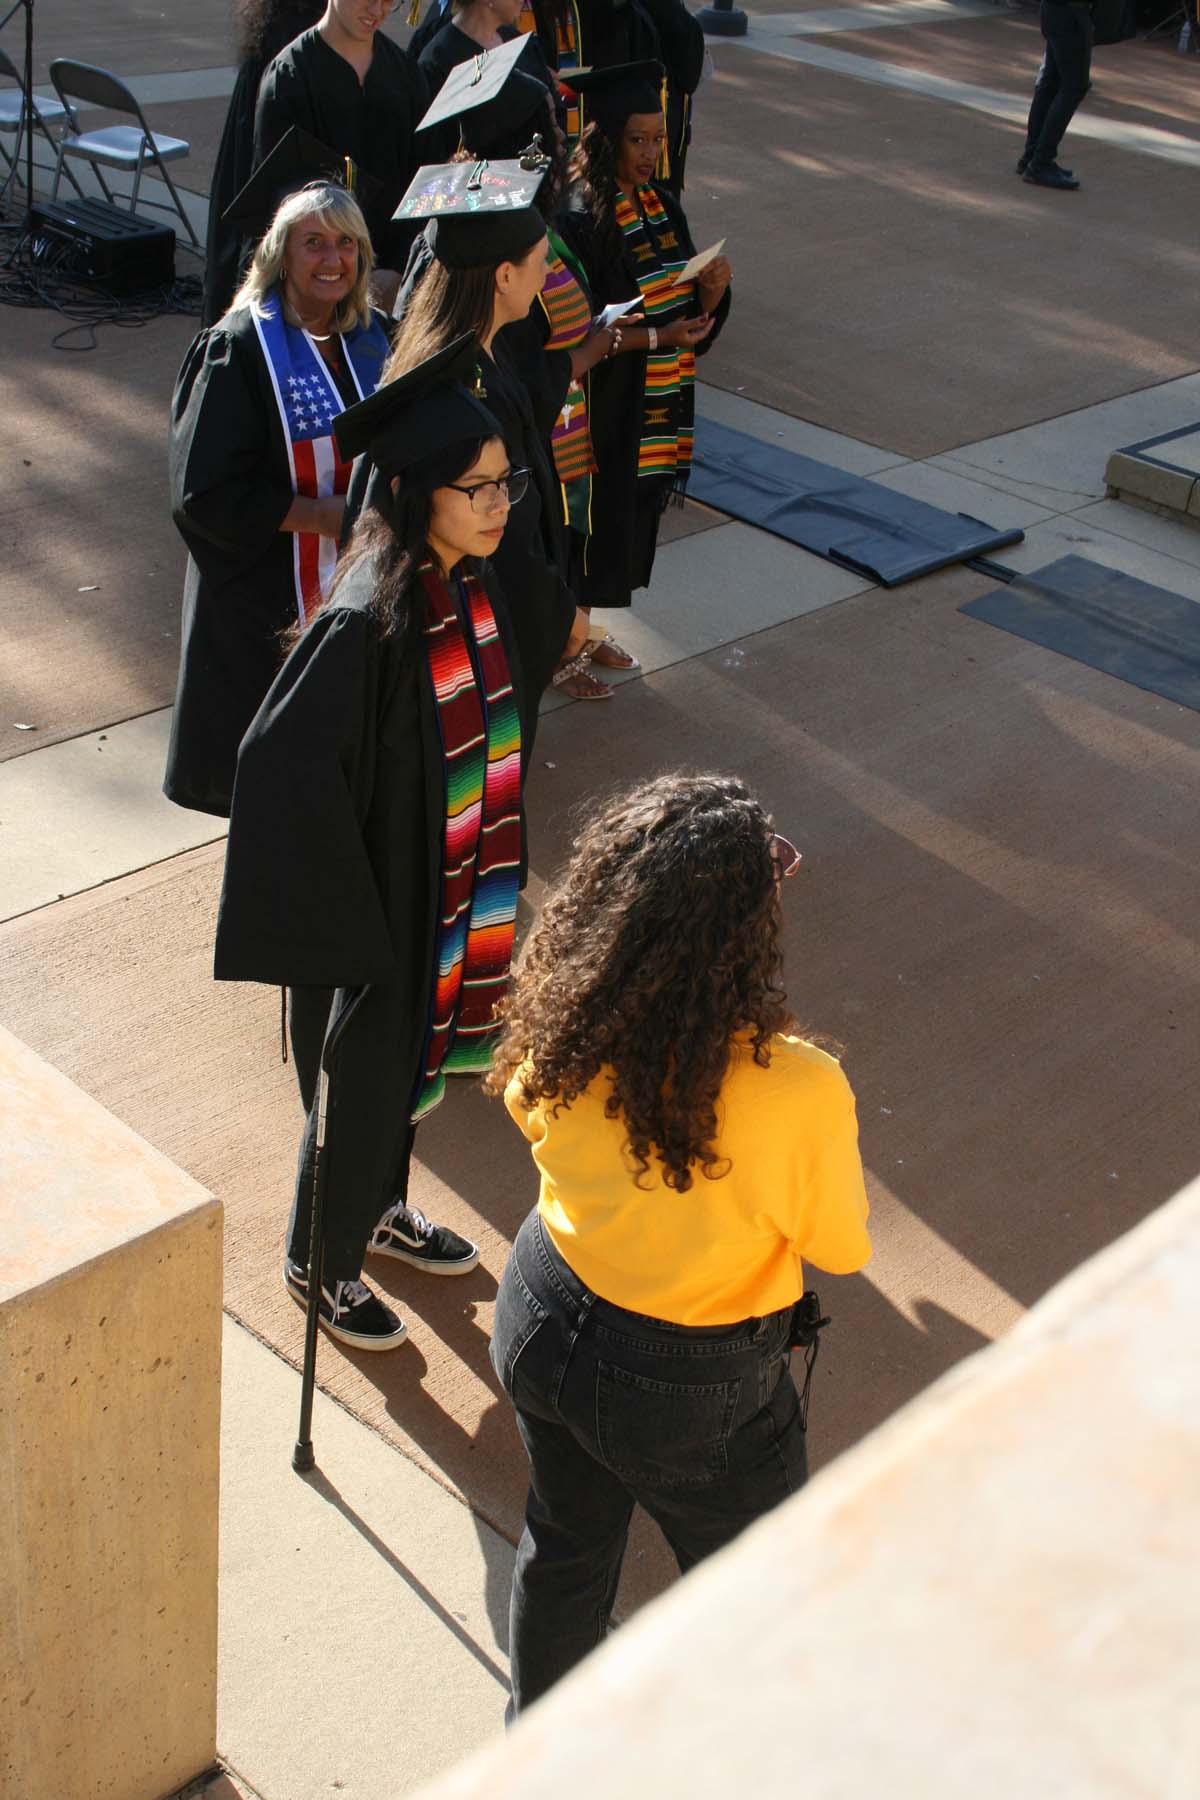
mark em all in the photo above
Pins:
pixel 445 303
pixel 660 942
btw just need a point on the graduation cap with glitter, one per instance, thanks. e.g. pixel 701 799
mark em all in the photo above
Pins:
pixel 473 83
pixel 298 160
pixel 480 213
pixel 428 409
pixel 612 95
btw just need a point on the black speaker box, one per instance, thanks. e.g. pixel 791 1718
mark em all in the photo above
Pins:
pixel 90 241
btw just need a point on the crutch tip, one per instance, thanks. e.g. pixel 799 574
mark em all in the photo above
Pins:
pixel 304 1460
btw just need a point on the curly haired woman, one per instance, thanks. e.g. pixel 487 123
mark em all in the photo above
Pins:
pixel 694 1154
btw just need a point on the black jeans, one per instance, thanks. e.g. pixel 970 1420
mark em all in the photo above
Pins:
pixel 1064 77
pixel 700 1426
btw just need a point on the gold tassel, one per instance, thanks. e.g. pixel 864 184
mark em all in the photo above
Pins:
pixel 664 155
pixel 414 12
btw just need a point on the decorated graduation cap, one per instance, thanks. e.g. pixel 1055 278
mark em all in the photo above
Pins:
pixel 428 409
pixel 473 83
pixel 298 160
pixel 612 95
pixel 479 212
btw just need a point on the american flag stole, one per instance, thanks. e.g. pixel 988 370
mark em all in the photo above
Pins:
pixel 569 316
pixel 669 402
pixel 308 401
pixel 480 733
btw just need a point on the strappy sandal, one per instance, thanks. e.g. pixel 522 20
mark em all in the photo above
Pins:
pixel 606 651
pixel 575 681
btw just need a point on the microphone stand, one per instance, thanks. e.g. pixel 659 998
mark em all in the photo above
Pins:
pixel 27 114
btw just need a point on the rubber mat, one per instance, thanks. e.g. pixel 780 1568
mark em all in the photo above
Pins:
pixel 852 521
pixel 1142 634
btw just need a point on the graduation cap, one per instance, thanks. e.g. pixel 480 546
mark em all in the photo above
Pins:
pixel 613 94
pixel 297 161
pixel 480 212
pixel 473 83
pixel 505 124
pixel 429 408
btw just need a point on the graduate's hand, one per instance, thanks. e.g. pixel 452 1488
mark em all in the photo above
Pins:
pixel 322 518
pixel 712 282
pixel 682 334
pixel 579 633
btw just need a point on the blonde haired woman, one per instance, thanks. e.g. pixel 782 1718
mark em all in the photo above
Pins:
pixel 257 487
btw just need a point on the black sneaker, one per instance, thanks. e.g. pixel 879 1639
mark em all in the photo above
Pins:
pixel 1049 175
pixel 1023 164
pixel 407 1234
pixel 351 1313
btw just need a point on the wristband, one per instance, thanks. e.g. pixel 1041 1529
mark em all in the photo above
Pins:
pixel 652 337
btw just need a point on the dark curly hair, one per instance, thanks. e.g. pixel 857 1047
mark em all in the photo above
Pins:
pixel 660 942
pixel 592 176
pixel 263 27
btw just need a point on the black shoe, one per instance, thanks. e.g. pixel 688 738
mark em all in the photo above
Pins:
pixel 351 1313
pixel 1023 164
pixel 1049 175
pixel 407 1234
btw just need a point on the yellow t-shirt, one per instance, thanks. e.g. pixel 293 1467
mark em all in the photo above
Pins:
pixel 727 1249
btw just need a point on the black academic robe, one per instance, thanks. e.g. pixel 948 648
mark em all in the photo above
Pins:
pixel 448 47
pixel 374 123
pixel 231 488
pixel 626 509
pixel 332 878
pixel 235 161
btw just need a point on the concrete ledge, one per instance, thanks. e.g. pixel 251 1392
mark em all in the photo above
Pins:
pixel 110 1317
pixel 1173 492
pixel 997 1593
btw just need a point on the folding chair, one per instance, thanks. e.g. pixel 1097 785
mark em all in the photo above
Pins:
pixel 129 147
pixel 13 120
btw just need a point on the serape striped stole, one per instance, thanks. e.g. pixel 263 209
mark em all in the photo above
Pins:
pixel 480 734
pixel 669 401
pixel 307 399
pixel 569 316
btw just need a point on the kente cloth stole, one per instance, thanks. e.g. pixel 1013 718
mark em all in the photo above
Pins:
pixel 569 316
pixel 308 401
pixel 480 734
pixel 568 36
pixel 669 401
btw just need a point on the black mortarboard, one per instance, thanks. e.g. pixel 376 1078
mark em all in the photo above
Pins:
pixel 297 160
pixel 480 212
pixel 610 96
pixel 422 412
pixel 505 125
pixel 473 83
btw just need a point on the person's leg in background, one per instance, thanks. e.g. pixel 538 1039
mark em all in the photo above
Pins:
pixel 1067 26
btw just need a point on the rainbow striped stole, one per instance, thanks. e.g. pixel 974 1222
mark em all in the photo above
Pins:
pixel 569 317
pixel 669 402
pixel 480 732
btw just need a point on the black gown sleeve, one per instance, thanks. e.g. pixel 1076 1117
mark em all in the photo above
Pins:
pixel 545 374
pixel 226 493
pixel 300 905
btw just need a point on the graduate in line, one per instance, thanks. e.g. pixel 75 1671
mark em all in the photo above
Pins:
pixel 631 238
pixel 257 487
pixel 376 838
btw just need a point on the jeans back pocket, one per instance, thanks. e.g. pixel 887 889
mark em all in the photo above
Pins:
pixel 519 1313
pixel 666 1434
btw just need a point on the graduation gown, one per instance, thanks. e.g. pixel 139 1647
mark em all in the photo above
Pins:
pixel 332 879
pixel 625 508
pixel 231 489
pixel 374 123
pixel 235 161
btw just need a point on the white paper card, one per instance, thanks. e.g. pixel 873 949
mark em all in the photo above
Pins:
pixel 700 261
pixel 616 311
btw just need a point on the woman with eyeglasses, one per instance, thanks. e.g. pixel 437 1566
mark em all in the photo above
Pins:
pixel 695 1153
pixel 486 263
pixel 376 836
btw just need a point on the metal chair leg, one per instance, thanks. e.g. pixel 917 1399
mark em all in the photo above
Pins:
pixel 171 188
pixel 137 176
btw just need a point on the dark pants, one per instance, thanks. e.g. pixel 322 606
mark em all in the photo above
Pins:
pixel 1063 79
pixel 701 1427
pixel 368 1143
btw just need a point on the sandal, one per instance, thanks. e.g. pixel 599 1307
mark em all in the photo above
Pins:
pixel 574 680
pixel 606 651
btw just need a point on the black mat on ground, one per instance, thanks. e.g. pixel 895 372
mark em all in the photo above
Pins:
pixel 854 522
pixel 1145 635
